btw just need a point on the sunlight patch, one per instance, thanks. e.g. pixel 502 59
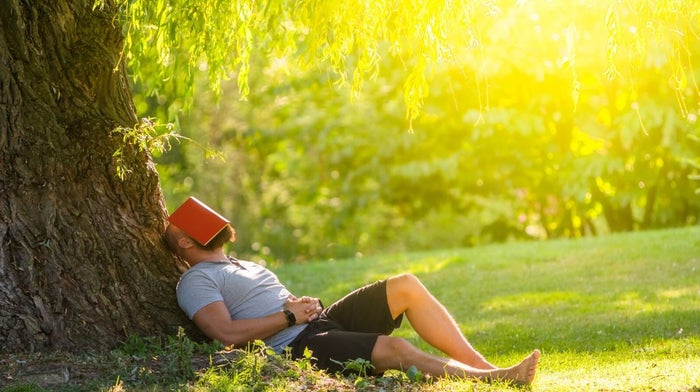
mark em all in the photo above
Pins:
pixel 431 264
pixel 533 300
pixel 602 373
pixel 678 293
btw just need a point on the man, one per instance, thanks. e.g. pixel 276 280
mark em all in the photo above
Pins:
pixel 237 302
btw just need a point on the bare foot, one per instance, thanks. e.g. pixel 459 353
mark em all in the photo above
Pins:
pixel 524 372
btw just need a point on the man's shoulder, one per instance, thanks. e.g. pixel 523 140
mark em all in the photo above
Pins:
pixel 193 276
pixel 193 272
pixel 210 272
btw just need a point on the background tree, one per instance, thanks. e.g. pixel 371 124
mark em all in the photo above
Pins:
pixel 82 264
pixel 507 146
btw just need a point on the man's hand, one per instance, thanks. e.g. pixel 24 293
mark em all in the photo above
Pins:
pixel 305 309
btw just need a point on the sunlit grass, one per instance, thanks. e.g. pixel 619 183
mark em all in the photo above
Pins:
pixel 656 366
pixel 620 312
pixel 615 313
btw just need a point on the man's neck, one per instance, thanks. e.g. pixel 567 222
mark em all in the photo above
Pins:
pixel 201 255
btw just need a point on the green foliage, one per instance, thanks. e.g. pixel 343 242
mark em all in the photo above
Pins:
pixel 282 178
pixel 310 174
pixel 360 371
pixel 523 133
pixel 258 369
pixel 171 355
pixel 186 37
pixel 146 136
pixel 137 345
pixel 247 372
pixel 168 42
pixel 152 137
pixel 183 349
pixel 414 374
pixel 361 367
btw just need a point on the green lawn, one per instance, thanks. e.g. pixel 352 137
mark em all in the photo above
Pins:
pixel 614 313
pixel 619 312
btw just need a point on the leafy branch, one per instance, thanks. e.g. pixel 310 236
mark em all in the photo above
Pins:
pixel 154 138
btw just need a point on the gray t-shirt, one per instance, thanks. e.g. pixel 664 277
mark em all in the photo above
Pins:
pixel 249 290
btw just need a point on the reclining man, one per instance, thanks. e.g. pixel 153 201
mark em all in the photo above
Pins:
pixel 237 302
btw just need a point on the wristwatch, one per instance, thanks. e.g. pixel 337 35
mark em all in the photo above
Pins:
pixel 291 319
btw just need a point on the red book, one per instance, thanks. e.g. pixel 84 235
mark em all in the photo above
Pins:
pixel 198 220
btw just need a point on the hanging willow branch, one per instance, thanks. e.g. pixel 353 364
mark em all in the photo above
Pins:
pixel 168 41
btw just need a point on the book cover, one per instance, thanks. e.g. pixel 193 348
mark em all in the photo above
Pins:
pixel 198 220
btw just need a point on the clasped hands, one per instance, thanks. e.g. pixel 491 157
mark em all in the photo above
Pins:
pixel 305 309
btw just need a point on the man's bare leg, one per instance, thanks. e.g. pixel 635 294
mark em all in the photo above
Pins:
pixel 406 294
pixel 396 353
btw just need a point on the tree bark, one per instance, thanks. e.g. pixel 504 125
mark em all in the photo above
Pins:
pixel 82 264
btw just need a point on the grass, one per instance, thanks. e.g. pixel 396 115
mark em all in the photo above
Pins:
pixel 613 313
pixel 620 312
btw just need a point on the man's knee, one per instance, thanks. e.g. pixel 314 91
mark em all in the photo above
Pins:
pixel 390 350
pixel 403 291
pixel 407 282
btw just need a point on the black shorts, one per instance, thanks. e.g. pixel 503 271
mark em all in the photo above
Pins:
pixel 348 329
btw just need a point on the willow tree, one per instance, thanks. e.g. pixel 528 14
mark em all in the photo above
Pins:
pixel 81 212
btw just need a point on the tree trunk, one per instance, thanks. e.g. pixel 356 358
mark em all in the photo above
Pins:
pixel 82 263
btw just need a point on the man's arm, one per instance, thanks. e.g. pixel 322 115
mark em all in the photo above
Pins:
pixel 214 320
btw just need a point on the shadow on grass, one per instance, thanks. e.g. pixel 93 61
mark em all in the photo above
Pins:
pixel 589 333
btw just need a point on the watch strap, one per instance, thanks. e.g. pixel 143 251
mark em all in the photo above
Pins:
pixel 291 318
